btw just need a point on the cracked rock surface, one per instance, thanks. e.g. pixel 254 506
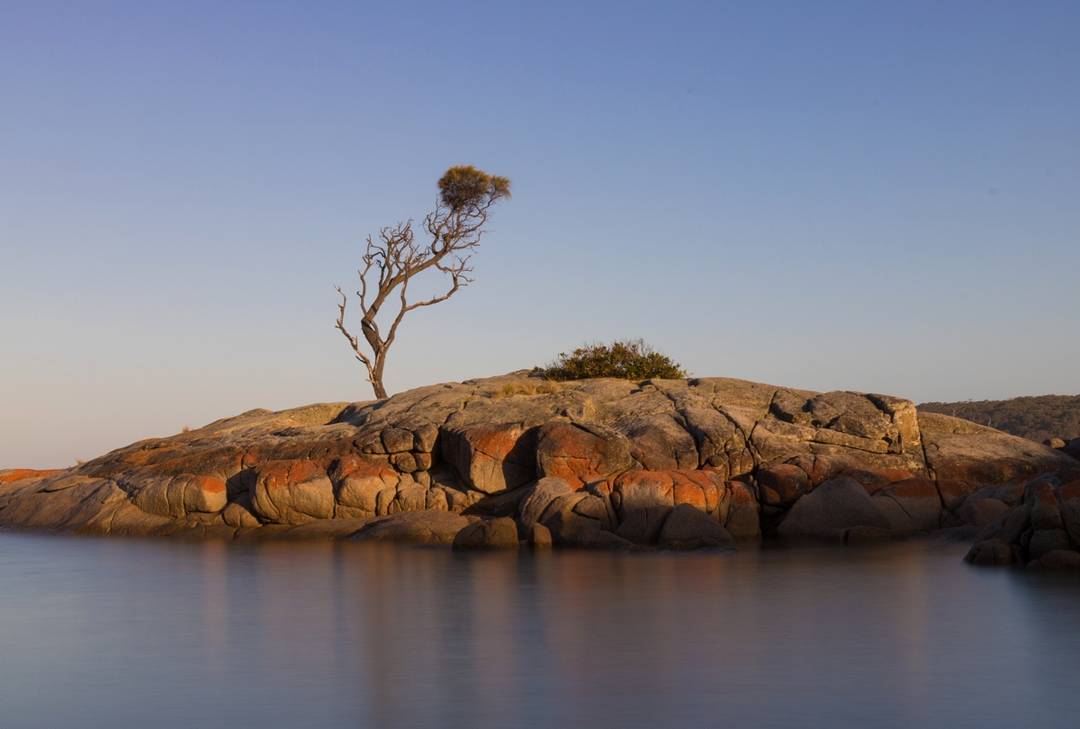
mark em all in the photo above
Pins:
pixel 705 462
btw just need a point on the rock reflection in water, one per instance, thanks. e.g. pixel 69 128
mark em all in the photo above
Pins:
pixel 128 632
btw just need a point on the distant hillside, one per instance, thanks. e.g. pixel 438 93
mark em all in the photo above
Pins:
pixel 1037 418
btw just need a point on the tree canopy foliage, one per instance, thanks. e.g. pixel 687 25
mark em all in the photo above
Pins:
pixel 464 185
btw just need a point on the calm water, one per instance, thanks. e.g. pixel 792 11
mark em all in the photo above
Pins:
pixel 103 633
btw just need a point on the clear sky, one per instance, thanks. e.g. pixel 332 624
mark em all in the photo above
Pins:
pixel 873 196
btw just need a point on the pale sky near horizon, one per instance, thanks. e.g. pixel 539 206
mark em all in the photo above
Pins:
pixel 834 195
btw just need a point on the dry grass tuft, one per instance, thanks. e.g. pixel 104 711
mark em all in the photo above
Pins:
pixel 527 388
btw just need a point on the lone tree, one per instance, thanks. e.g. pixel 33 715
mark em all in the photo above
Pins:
pixel 391 261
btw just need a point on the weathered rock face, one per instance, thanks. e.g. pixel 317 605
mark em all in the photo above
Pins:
pixel 580 453
pixel 595 463
pixel 961 450
pixel 1042 530
pixel 491 458
pixel 831 509
pixel 687 527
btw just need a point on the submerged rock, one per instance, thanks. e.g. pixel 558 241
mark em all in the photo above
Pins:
pixel 418 527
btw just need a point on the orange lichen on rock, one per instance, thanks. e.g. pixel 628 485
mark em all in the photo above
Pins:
pixel 21 474
pixel 210 484
pixel 581 454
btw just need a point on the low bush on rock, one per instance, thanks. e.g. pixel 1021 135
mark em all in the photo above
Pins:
pixel 629 360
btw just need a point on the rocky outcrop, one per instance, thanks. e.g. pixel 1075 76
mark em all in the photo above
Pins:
pixel 1072 448
pixel 1042 530
pixel 1066 446
pixel 603 463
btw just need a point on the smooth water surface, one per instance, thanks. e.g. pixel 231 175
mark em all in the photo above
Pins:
pixel 134 633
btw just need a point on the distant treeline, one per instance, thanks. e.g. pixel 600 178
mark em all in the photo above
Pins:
pixel 1037 418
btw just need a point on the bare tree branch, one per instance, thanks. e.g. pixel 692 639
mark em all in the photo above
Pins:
pixel 354 342
pixel 392 259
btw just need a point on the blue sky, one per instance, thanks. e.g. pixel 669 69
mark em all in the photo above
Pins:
pixel 872 196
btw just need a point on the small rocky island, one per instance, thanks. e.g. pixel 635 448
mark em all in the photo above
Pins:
pixel 602 463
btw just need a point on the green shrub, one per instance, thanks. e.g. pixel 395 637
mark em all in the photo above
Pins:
pixel 628 360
